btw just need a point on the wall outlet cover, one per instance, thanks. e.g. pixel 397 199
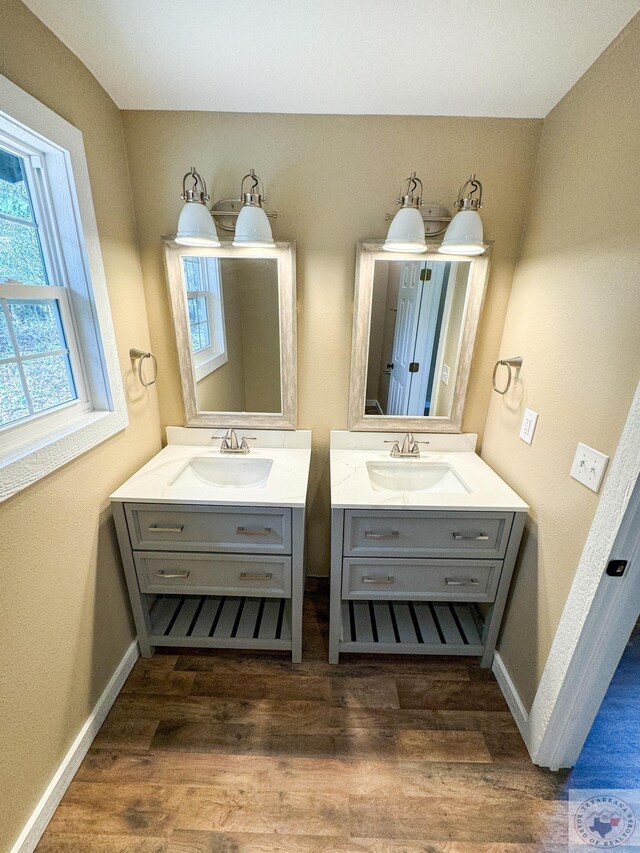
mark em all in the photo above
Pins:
pixel 589 466
pixel 528 426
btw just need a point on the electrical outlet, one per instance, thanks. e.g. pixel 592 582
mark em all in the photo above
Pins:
pixel 445 374
pixel 528 426
pixel 589 466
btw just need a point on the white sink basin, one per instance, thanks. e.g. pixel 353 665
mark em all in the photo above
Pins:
pixel 412 475
pixel 239 472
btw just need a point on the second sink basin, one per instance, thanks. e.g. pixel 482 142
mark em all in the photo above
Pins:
pixel 412 475
pixel 224 471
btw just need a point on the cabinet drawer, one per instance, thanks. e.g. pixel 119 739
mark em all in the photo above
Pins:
pixel 426 534
pixel 167 527
pixel 432 580
pixel 213 573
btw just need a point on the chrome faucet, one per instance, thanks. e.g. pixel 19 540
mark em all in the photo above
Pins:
pixel 230 443
pixel 409 449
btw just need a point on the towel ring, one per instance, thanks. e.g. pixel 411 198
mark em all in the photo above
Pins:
pixel 509 363
pixel 139 356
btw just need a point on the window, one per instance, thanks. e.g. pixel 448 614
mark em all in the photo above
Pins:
pixel 60 388
pixel 206 313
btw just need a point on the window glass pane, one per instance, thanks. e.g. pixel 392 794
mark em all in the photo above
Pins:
pixel 14 192
pixel 199 323
pixel 192 274
pixel 13 402
pixel 49 381
pixel 6 347
pixel 37 326
pixel 20 253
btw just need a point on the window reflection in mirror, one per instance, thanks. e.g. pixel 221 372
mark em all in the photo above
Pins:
pixel 234 324
pixel 417 318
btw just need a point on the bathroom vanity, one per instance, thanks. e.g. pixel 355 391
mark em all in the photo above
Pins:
pixel 213 544
pixel 422 549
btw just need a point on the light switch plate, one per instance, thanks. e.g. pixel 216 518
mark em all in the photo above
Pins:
pixel 589 466
pixel 445 374
pixel 528 426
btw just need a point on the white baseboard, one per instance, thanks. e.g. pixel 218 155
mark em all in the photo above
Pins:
pixel 43 812
pixel 516 706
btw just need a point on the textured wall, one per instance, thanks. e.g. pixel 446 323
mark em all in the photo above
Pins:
pixel 331 180
pixel 574 315
pixel 64 615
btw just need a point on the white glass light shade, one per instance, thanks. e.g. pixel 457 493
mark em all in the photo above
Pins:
pixel 253 229
pixel 406 232
pixel 195 226
pixel 464 236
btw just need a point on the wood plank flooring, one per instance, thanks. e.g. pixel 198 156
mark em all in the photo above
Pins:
pixel 229 752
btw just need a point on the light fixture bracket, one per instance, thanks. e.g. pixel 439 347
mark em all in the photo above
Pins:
pixel 226 211
pixel 195 194
pixel 435 216
pixel 469 201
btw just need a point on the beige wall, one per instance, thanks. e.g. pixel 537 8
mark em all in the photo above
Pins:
pixel 260 319
pixel 64 617
pixel 331 180
pixel 574 316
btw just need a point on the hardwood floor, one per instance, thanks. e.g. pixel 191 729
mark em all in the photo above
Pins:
pixel 230 753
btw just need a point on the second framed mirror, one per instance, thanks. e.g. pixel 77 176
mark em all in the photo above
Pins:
pixel 415 322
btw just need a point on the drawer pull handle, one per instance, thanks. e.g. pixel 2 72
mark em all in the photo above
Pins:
pixel 163 574
pixel 244 531
pixel 256 576
pixel 388 580
pixel 155 528
pixel 465 582
pixel 392 534
pixel 477 537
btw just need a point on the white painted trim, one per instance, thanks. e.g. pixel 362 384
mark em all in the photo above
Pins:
pixel 83 259
pixel 599 610
pixel 511 695
pixel 43 812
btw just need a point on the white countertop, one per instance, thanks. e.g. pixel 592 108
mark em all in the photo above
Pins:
pixel 352 489
pixel 286 484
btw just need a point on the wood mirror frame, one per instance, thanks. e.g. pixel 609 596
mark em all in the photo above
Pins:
pixel 285 255
pixel 367 253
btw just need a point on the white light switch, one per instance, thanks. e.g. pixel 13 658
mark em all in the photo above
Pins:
pixel 589 466
pixel 445 374
pixel 528 426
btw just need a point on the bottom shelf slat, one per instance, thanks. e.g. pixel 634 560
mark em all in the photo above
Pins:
pixel 411 627
pixel 214 621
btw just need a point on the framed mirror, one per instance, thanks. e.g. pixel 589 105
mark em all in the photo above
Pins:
pixel 234 315
pixel 414 329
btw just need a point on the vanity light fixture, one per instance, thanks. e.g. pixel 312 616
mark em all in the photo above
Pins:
pixel 195 226
pixel 252 227
pixel 464 236
pixel 246 216
pixel 406 232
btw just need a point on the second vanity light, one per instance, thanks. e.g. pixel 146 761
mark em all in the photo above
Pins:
pixel 196 224
pixel 409 227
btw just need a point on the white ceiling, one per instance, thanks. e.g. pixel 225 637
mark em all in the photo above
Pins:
pixel 419 57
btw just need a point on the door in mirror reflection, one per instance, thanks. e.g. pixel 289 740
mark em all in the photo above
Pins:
pixel 234 326
pixel 417 318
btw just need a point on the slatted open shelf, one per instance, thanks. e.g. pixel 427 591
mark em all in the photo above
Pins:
pixel 411 627
pixel 221 622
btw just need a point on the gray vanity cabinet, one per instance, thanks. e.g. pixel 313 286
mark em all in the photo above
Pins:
pixel 213 576
pixel 426 582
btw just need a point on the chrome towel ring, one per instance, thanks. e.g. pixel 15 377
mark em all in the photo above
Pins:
pixel 509 363
pixel 139 356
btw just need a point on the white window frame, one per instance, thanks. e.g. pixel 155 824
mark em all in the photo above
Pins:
pixel 54 156
pixel 209 358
